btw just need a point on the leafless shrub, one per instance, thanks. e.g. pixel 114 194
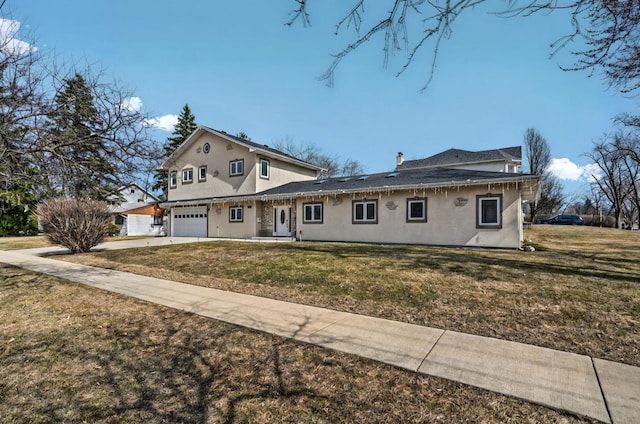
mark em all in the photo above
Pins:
pixel 75 224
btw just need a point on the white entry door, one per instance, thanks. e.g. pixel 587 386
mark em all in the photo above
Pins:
pixel 282 221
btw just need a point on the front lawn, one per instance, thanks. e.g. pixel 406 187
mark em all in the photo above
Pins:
pixel 70 353
pixel 29 242
pixel 579 292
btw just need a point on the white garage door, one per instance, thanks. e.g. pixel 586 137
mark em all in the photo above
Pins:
pixel 189 222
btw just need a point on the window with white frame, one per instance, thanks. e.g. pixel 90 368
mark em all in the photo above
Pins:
pixel 312 213
pixel 489 211
pixel 173 179
pixel 264 168
pixel 187 175
pixel 417 210
pixel 202 174
pixel 365 212
pixel 235 214
pixel 236 167
pixel 512 168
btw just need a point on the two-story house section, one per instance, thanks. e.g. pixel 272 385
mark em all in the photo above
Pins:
pixel 508 159
pixel 211 176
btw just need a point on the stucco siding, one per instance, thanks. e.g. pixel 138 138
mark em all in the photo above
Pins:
pixel 218 182
pixel 451 219
pixel 220 224
pixel 282 173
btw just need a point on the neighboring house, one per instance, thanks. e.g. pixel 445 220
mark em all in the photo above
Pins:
pixel 131 213
pixel 224 186
pixel 146 220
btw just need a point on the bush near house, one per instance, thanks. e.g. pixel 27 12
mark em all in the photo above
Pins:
pixel 75 224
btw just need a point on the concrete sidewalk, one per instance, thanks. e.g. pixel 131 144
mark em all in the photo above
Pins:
pixel 604 390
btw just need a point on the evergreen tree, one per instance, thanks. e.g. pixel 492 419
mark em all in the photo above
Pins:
pixel 183 129
pixel 17 212
pixel 93 143
pixel 80 168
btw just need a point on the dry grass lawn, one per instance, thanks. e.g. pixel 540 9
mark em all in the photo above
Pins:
pixel 579 292
pixel 18 243
pixel 14 243
pixel 72 354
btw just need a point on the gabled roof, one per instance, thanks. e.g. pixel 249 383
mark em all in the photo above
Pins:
pixel 457 157
pixel 121 192
pixel 263 149
pixel 148 194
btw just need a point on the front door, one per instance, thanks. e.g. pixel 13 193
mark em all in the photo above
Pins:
pixel 282 221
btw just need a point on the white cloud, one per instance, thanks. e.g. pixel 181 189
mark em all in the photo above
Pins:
pixel 132 104
pixel 592 171
pixel 165 122
pixel 565 169
pixel 10 45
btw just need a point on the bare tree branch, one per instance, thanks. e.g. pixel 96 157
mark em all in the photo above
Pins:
pixel 610 29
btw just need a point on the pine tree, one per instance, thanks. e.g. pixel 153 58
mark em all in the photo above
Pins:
pixel 81 166
pixel 183 129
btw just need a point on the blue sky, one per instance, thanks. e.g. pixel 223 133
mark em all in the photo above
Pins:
pixel 241 69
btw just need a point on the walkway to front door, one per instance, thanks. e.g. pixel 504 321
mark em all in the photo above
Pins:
pixel 282 221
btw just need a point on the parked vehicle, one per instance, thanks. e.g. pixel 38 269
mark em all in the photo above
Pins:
pixel 562 220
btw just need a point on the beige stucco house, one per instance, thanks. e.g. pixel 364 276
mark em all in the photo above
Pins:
pixel 224 186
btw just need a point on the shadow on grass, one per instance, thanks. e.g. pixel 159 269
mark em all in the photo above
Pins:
pixel 110 364
pixel 471 260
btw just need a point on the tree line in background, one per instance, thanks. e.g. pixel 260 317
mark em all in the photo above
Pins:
pixel 309 152
pixel 614 198
pixel 616 191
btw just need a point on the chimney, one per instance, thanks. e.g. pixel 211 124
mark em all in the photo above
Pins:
pixel 399 159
